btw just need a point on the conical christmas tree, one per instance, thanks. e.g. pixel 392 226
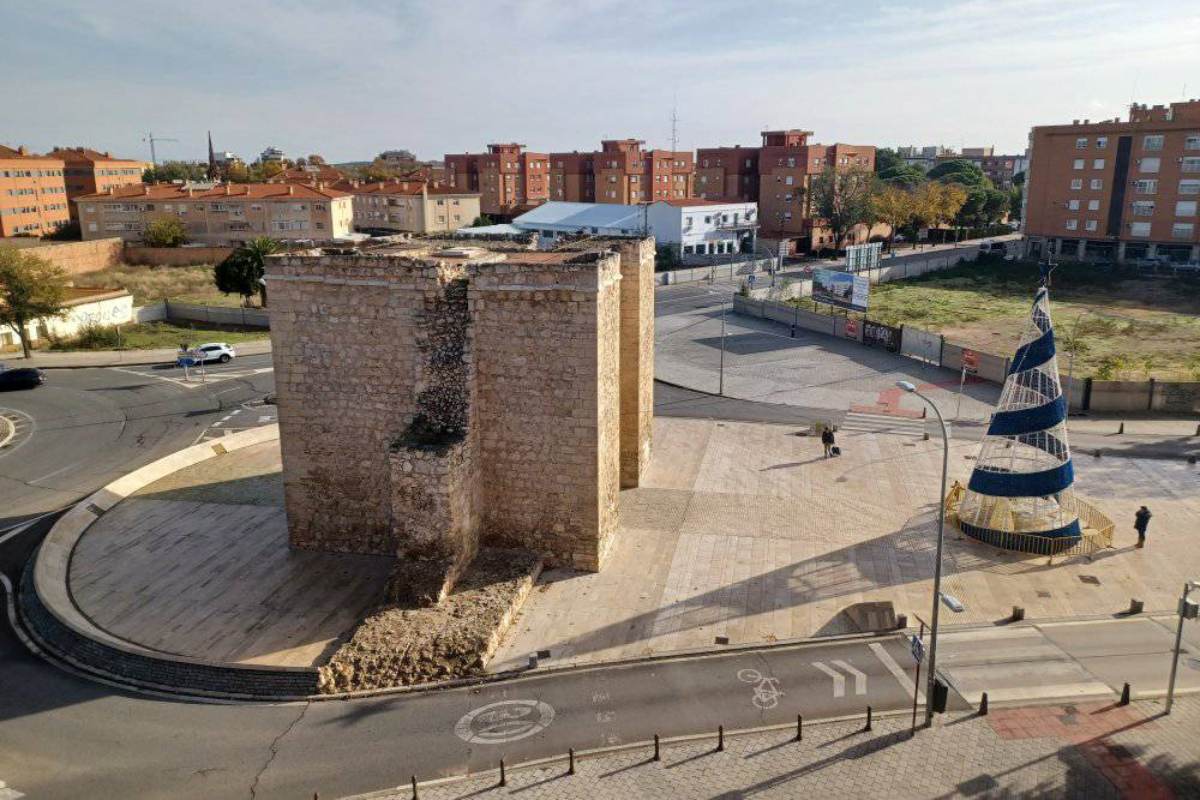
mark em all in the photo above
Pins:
pixel 1020 494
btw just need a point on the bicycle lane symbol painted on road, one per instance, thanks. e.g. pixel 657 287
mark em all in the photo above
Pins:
pixel 505 721
pixel 766 688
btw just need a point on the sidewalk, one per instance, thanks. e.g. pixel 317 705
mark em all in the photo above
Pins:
pixel 117 358
pixel 1084 751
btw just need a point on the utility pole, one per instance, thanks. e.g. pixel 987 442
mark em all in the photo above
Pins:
pixel 151 138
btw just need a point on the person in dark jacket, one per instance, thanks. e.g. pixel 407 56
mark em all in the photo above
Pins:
pixel 1141 520
pixel 828 440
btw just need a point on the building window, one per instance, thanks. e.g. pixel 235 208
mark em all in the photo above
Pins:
pixel 1101 142
pixel 1090 225
pixel 1152 142
pixel 1146 186
pixel 1139 229
pixel 1098 163
pixel 1097 183
pixel 1143 208
pixel 1185 208
pixel 1093 205
pixel 1189 186
pixel 1073 205
pixel 1190 165
pixel 1182 230
pixel 1081 143
pixel 1079 163
pixel 1072 224
pixel 1077 183
pixel 1148 164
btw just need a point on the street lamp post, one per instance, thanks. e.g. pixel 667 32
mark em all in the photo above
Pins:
pixel 937 564
pixel 721 373
pixel 1183 610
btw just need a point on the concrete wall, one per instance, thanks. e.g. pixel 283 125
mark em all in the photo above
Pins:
pixel 175 256
pixel 721 269
pixel 637 358
pixel 76 258
pixel 218 315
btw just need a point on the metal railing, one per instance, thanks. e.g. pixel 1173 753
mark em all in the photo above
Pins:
pixel 1097 532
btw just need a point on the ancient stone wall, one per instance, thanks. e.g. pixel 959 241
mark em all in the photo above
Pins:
pixel 637 357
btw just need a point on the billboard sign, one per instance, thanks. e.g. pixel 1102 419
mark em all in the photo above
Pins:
pixel 863 257
pixel 840 289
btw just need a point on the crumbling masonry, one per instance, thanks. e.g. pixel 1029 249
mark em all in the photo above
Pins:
pixel 432 400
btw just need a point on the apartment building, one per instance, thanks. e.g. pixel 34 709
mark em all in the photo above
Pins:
pixel 573 177
pixel 225 214
pixel 999 169
pixel 507 178
pixel 1117 190
pixel 625 173
pixel 33 195
pixel 727 173
pixel 89 171
pixel 413 206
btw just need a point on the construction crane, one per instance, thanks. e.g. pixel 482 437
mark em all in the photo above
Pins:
pixel 151 138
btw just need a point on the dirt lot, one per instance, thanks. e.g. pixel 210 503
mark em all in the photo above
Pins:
pixel 1124 325
pixel 192 284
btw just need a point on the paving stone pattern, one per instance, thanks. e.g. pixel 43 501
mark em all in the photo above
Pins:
pixel 1092 752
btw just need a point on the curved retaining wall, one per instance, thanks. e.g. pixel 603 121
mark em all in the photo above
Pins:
pixel 52 617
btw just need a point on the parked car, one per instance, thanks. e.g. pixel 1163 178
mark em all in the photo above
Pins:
pixel 21 378
pixel 212 351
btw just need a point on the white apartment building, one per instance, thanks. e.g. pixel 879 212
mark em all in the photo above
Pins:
pixel 225 214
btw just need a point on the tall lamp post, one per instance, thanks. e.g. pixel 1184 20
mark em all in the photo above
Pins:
pixel 937 564
pixel 1187 610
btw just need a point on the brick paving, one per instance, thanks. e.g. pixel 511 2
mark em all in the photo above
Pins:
pixel 1071 751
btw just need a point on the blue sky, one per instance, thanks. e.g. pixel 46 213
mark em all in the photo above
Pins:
pixel 350 78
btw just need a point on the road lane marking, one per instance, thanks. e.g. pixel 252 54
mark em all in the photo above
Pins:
pixel 860 678
pixel 766 690
pixel 839 680
pixel 505 721
pixel 905 681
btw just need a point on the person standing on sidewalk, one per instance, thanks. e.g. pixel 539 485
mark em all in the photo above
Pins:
pixel 1141 520
pixel 828 440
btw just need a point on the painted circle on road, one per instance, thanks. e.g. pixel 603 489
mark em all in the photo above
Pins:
pixel 505 721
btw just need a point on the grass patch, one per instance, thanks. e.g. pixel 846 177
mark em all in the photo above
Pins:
pixel 155 335
pixel 192 284
pixel 1126 325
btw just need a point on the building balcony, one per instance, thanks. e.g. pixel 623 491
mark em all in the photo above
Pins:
pixel 736 224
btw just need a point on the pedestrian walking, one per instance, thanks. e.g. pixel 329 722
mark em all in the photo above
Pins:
pixel 828 440
pixel 1141 520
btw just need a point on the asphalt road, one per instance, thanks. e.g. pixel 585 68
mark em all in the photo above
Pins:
pixel 86 427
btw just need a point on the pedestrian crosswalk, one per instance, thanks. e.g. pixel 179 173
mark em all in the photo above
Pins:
pixel 857 423
pixel 195 377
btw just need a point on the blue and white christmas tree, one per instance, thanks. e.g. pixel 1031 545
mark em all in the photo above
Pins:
pixel 1020 494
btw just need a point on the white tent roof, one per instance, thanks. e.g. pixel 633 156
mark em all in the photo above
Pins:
pixel 503 229
pixel 557 215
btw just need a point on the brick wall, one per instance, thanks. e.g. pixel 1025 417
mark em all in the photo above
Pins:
pixel 77 258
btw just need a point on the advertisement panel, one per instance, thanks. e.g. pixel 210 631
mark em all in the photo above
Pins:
pixel 863 257
pixel 840 289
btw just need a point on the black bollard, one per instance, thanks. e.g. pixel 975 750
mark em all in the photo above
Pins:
pixel 503 777
pixel 1121 429
pixel 868 726
pixel 414 785
pixel 983 705
pixel 1124 695
pixel 656 754
pixel 720 738
pixel 571 761
pixel 799 728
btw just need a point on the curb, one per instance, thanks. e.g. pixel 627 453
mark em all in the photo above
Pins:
pixel 130 358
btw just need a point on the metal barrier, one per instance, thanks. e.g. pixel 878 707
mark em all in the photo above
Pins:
pixel 1097 532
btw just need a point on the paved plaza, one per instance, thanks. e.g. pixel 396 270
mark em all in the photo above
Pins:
pixel 1086 751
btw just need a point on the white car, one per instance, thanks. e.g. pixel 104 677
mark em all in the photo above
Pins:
pixel 212 351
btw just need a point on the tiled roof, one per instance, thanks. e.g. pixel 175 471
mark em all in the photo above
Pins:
pixel 86 154
pixel 8 152
pixel 224 191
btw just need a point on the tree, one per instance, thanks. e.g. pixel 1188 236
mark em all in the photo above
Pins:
pixel 242 271
pixel 169 171
pixel 893 206
pixel 165 232
pixel 1014 202
pixel 481 220
pixel 842 199
pixel 893 169
pixel 960 171
pixel 31 288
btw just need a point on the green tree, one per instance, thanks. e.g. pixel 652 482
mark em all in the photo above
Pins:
pixel 842 199
pixel 893 169
pixel 894 206
pixel 242 271
pixel 31 288
pixel 175 171
pixel 960 171
pixel 1014 202
pixel 165 232
pixel 481 220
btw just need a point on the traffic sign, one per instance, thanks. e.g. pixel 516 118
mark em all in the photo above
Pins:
pixel 751 277
pixel 918 648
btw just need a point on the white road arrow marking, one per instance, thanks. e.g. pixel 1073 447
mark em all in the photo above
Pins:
pixel 839 680
pixel 860 678
pixel 905 681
